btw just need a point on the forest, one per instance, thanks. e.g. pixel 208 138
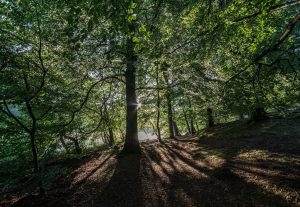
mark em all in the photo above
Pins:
pixel 142 103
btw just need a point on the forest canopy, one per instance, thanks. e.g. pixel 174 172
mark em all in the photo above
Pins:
pixel 80 74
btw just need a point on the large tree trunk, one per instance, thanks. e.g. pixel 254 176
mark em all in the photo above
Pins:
pixel 132 144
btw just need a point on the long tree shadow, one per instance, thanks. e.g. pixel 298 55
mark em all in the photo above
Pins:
pixel 221 187
pixel 269 160
pixel 124 187
pixel 165 175
pixel 66 188
pixel 91 172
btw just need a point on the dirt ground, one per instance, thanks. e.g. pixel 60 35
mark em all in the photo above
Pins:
pixel 218 169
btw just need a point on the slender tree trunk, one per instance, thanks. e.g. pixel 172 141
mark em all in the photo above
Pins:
pixel 122 134
pixel 104 137
pixel 158 106
pixel 63 143
pixel 131 144
pixel 111 136
pixel 193 130
pixel 77 147
pixel 197 127
pixel 175 127
pixel 111 140
pixel 187 122
pixel 36 166
pixel 76 144
pixel 176 130
pixel 241 116
pixel 32 136
pixel 170 118
pixel 33 139
pixel 34 152
pixel 210 118
pixel 169 106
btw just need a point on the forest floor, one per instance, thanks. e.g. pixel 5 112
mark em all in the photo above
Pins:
pixel 233 164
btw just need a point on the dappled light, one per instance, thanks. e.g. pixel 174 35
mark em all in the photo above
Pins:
pixel 149 103
pixel 185 172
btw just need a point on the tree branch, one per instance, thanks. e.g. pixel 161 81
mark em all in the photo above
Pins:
pixel 289 28
pixel 272 8
pixel 11 115
pixel 87 97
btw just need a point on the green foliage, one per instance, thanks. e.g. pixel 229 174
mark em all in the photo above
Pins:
pixel 67 60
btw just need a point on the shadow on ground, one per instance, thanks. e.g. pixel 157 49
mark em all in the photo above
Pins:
pixel 124 187
pixel 261 170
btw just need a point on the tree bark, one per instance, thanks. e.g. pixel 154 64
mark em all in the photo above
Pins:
pixel 193 130
pixel 187 122
pixel 77 147
pixel 131 144
pixel 122 134
pixel 34 152
pixel 32 133
pixel 197 127
pixel 111 136
pixel 158 106
pixel 170 117
pixel 76 144
pixel 210 118
pixel 108 122
pixel 169 105
pixel 63 143
pixel 176 130
pixel 259 114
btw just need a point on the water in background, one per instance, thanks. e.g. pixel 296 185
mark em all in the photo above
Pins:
pixel 146 134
